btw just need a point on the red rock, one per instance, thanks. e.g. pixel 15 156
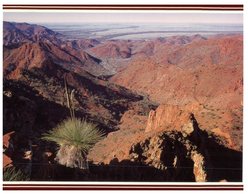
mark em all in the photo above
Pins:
pixel 199 71
pixel 170 117
pixel 7 139
pixel 7 162
pixel 8 146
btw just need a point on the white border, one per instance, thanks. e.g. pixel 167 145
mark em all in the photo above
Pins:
pixel 245 174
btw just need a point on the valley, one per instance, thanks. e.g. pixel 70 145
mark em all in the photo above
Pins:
pixel 168 99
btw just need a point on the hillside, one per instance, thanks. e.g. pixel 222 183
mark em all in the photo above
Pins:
pixel 28 45
pixel 208 68
pixel 15 34
pixel 166 106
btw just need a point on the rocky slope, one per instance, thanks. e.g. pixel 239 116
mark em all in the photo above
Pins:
pixel 210 69
pixel 92 95
pixel 203 72
pixel 36 64
pixel 35 103
pixel 177 150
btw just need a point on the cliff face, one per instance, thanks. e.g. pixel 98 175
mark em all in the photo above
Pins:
pixel 173 154
pixel 176 151
pixel 170 117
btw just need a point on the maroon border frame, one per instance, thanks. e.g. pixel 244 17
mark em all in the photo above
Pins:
pixel 113 186
pixel 213 7
pixel 119 187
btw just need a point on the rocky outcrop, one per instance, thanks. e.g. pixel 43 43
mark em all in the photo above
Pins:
pixel 173 154
pixel 176 149
pixel 171 117
pixel 179 118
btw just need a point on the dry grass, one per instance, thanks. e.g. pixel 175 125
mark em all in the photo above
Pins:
pixel 12 174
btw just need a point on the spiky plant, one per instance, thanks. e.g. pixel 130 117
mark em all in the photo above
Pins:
pixel 75 137
pixel 12 174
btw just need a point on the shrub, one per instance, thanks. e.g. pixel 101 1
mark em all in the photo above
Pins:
pixel 75 138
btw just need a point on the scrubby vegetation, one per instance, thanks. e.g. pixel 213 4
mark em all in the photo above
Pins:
pixel 13 174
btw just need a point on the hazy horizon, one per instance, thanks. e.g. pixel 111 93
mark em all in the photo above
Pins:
pixel 127 18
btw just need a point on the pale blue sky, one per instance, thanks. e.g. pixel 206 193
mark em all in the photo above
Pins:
pixel 44 17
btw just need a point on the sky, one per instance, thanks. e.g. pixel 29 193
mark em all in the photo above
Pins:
pixel 138 17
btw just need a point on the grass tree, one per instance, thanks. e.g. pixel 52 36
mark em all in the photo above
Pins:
pixel 74 136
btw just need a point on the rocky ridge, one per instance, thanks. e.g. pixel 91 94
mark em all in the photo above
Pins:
pixel 181 153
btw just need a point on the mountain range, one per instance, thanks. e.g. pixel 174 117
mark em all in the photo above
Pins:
pixel 148 96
